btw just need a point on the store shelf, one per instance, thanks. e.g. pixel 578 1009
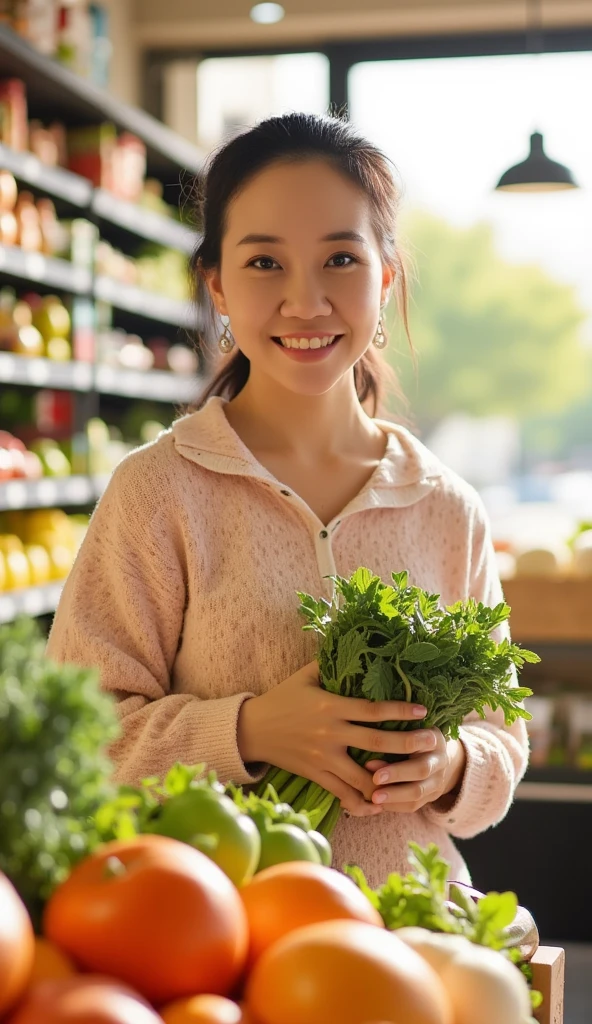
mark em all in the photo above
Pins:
pixel 55 181
pixel 145 304
pixel 51 492
pixel 556 785
pixel 45 270
pixel 69 376
pixel 550 608
pixel 32 601
pixel 143 222
pixel 157 385
pixel 54 91
pixel 555 792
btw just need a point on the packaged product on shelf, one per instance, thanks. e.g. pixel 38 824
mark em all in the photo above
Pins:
pixel 83 329
pixel 580 732
pixel 13 114
pixel 8 192
pixel 29 235
pixel 539 729
pixel 36 21
pixel 35 325
pixel 117 164
pixel 74 42
pixel 77 242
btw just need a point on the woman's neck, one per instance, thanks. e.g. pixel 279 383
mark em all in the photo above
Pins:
pixel 308 428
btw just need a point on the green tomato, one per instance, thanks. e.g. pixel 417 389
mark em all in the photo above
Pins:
pixel 287 815
pixel 323 846
pixel 282 843
pixel 213 824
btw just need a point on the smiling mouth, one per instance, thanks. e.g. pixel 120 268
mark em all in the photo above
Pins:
pixel 303 344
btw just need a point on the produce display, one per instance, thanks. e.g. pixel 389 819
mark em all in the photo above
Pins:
pixel 38 547
pixel 564 558
pixel 395 642
pixel 151 904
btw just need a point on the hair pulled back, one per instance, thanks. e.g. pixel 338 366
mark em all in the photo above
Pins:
pixel 295 137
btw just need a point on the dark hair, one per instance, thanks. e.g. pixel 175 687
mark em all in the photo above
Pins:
pixel 296 137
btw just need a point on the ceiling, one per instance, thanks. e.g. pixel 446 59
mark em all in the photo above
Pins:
pixel 206 24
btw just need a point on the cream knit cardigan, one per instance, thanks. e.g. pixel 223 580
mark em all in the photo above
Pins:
pixel 184 595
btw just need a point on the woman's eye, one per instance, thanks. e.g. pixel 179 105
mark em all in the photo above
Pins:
pixel 261 259
pixel 344 256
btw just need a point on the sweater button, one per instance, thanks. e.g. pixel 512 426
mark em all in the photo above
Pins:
pixel 323 534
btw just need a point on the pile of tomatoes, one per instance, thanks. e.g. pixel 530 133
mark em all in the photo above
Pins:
pixel 150 930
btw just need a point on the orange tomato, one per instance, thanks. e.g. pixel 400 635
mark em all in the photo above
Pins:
pixel 287 896
pixel 49 962
pixel 204 1009
pixel 345 971
pixel 84 999
pixel 156 914
pixel 17 943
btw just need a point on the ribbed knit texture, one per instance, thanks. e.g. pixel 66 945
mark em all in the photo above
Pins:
pixel 184 595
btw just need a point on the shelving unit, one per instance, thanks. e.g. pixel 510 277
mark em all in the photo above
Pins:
pixel 32 601
pixel 53 93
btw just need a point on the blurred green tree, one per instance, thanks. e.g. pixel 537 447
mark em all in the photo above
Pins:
pixel 491 337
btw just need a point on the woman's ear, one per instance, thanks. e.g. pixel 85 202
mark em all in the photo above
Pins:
pixel 388 278
pixel 213 283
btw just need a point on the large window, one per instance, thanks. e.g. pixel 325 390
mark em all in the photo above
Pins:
pixel 502 310
pixel 234 92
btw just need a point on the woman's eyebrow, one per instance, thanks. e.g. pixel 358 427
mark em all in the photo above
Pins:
pixel 333 236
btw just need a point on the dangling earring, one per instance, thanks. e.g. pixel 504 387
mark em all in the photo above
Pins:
pixel 380 339
pixel 226 342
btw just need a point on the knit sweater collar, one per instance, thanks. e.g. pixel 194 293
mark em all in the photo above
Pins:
pixel 405 474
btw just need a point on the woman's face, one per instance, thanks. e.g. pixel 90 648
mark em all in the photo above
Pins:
pixel 298 282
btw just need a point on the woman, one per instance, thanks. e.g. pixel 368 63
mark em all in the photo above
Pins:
pixel 184 590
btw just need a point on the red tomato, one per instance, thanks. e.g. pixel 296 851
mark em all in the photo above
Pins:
pixel 83 999
pixel 155 913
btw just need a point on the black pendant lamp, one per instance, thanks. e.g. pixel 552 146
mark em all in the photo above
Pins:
pixel 538 173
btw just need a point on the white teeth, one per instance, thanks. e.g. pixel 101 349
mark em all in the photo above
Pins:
pixel 304 343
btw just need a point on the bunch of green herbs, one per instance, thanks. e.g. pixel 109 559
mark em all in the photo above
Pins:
pixel 396 642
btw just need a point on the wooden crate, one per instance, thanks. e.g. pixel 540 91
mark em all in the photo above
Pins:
pixel 550 608
pixel 548 968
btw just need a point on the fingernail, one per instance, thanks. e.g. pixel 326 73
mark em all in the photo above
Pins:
pixel 378 798
pixel 427 742
pixel 381 778
pixel 419 711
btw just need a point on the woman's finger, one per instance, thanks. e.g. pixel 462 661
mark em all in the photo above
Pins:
pixel 359 709
pixel 414 769
pixel 351 799
pixel 385 741
pixel 406 797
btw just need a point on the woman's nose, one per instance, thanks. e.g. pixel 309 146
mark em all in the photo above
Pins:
pixel 305 298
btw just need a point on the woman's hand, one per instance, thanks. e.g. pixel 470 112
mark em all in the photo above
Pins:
pixel 407 786
pixel 304 729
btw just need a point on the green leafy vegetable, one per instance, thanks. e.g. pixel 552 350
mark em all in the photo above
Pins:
pixel 424 898
pixel 54 726
pixel 395 642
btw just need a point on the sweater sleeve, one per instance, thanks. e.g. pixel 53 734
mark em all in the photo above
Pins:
pixel 496 754
pixel 122 611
